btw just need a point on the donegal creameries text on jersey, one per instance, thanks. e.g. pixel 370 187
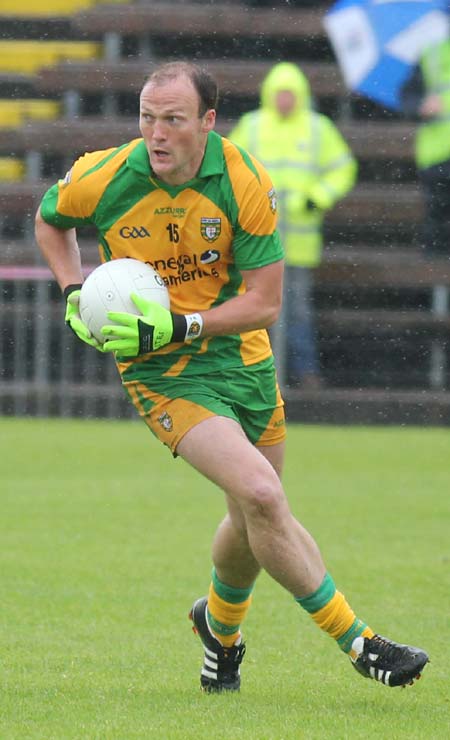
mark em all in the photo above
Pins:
pixel 199 236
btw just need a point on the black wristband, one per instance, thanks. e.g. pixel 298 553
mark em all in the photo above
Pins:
pixel 179 327
pixel 70 288
pixel 145 338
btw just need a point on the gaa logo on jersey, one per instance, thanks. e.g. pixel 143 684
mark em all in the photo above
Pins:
pixel 210 228
pixel 272 200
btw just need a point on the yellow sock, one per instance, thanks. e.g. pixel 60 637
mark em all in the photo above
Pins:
pixel 339 621
pixel 225 615
pixel 331 612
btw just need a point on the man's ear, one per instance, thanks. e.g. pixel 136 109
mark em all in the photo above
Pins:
pixel 208 121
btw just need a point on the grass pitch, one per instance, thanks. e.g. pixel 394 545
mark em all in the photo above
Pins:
pixel 106 543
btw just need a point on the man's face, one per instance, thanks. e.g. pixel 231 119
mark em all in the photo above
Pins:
pixel 285 102
pixel 173 131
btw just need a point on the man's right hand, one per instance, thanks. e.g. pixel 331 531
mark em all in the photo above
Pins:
pixel 73 318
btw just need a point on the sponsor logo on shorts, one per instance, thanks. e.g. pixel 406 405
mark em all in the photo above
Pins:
pixel 166 421
pixel 210 228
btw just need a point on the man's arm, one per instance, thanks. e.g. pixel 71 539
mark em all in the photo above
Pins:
pixel 257 308
pixel 60 250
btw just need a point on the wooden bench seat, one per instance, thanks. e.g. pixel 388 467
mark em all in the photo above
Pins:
pixel 380 140
pixel 381 322
pixel 235 77
pixel 24 253
pixel 368 406
pixel 371 268
pixel 161 18
pixel 20 198
pixel 69 136
pixel 374 206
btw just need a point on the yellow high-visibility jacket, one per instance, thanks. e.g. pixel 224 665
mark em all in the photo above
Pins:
pixel 306 157
pixel 433 137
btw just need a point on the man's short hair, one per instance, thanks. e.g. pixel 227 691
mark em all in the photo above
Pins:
pixel 201 79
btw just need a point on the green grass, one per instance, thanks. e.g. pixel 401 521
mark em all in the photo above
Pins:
pixel 105 542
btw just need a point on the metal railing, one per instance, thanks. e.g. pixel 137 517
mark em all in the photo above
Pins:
pixel 44 369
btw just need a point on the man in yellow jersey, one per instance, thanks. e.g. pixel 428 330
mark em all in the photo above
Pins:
pixel 202 375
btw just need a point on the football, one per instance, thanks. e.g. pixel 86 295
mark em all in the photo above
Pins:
pixel 109 286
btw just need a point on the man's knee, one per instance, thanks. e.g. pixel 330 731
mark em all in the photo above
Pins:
pixel 264 499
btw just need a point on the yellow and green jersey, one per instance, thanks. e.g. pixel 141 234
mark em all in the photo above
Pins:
pixel 199 236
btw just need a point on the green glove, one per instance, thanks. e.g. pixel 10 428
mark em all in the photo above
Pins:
pixel 73 318
pixel 157 326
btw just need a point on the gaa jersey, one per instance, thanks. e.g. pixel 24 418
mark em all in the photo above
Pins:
pixel 199 236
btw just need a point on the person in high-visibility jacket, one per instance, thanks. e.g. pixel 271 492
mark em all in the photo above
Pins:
pixel 426 96
pixel 311 167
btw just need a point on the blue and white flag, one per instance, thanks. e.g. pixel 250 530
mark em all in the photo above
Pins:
pixel 377 42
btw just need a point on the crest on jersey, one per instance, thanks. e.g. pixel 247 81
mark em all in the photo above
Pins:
pixel 210 228
pixel 272 200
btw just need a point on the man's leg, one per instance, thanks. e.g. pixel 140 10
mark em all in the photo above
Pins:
pixel 232 556
pixel 217 618
pixel 235 565
pixel 277 542
pixel 218 449
pixel 234 574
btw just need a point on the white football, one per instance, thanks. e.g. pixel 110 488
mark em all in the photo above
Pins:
pixel 109 286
